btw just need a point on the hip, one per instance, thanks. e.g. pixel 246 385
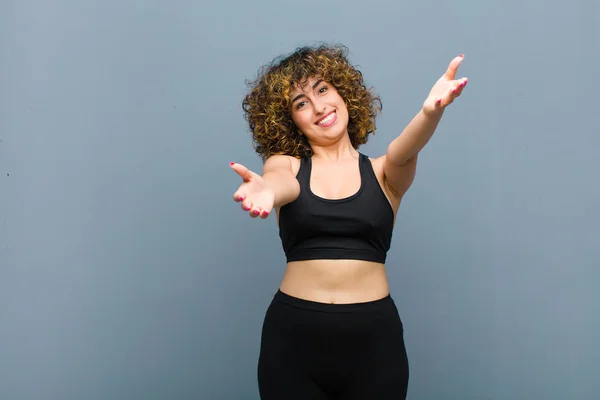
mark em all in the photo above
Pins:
pixel 352 323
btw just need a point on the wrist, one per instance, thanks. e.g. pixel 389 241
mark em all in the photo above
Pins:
pixel 432 113
pixel 270 181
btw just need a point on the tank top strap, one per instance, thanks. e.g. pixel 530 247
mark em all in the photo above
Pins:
pixel 303 175
pixel 366 169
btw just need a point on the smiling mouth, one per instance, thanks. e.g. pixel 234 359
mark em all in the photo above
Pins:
pixel 328 120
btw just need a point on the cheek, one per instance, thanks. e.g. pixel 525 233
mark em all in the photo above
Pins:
pixel 343 106
pixel 300 119
pixel 296 118
pixel 340 101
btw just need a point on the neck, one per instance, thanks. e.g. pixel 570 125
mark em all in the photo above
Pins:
pixel 334 152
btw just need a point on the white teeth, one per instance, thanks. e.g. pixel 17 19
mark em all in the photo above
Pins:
pixel 327 119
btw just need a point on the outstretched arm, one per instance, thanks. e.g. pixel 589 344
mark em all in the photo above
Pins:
pixel 276 187
pixel 401 155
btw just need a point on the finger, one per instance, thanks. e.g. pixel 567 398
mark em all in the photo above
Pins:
pixel 453 66
pixel 246 205
pixel 264 214
pixel 255 212
pixel 242 171
pixel 239 196
pixel 461 83
pixel 445 100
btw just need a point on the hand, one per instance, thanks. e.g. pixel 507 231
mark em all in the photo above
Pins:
pixel 446 89
pixel 255 196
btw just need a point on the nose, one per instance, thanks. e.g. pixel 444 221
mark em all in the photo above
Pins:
pixel 319 106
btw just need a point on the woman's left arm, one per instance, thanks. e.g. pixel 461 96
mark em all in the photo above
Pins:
pixel 398 165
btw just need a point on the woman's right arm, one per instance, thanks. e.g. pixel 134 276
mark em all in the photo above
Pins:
pixel 279 177
pixel 276 187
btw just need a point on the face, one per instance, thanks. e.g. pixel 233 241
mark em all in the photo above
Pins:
pixel 319 112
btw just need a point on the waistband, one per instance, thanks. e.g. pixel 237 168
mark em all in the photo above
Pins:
pixel 281 297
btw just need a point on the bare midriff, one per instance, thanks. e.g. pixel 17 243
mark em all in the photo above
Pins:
pixel 336 281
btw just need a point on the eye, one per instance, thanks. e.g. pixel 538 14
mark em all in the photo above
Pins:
pixel 300 104
pixel 323 89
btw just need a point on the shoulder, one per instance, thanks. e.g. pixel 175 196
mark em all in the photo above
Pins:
pixel 378 163
pixel 393 195
pixel 282 162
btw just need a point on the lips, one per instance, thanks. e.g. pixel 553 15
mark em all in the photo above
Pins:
pixel 327 120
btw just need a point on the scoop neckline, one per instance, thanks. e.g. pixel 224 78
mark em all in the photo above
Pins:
pixel 344 199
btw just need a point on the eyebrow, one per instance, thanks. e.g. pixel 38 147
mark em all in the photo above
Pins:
pixel 313 87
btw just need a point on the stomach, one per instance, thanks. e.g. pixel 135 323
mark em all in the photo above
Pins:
pixel 336 281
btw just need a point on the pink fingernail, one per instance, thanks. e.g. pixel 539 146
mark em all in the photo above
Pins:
pixel 231 163
pixel 265 214
pixel 246 208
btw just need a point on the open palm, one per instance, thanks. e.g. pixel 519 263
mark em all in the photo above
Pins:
pixel 255 196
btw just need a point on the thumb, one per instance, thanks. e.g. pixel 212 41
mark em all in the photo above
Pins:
pixel 453 67
pixel 242 171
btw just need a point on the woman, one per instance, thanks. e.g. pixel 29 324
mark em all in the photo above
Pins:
pixel 332 330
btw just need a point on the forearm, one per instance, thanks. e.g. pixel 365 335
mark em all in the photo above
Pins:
pixel 414 137
pixel 284 185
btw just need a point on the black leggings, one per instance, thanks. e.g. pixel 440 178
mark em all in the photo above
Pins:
pixel 313 350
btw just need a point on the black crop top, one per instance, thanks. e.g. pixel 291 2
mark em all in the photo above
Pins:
pixel 358 227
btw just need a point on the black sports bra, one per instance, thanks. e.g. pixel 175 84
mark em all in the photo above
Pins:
pixel 358 227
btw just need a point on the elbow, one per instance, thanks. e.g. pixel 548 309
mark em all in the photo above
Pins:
pixel 400 158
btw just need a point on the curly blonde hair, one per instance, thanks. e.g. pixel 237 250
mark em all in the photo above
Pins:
pixel 267 107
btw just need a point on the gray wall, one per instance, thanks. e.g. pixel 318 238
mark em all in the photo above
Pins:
pixel 126 271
